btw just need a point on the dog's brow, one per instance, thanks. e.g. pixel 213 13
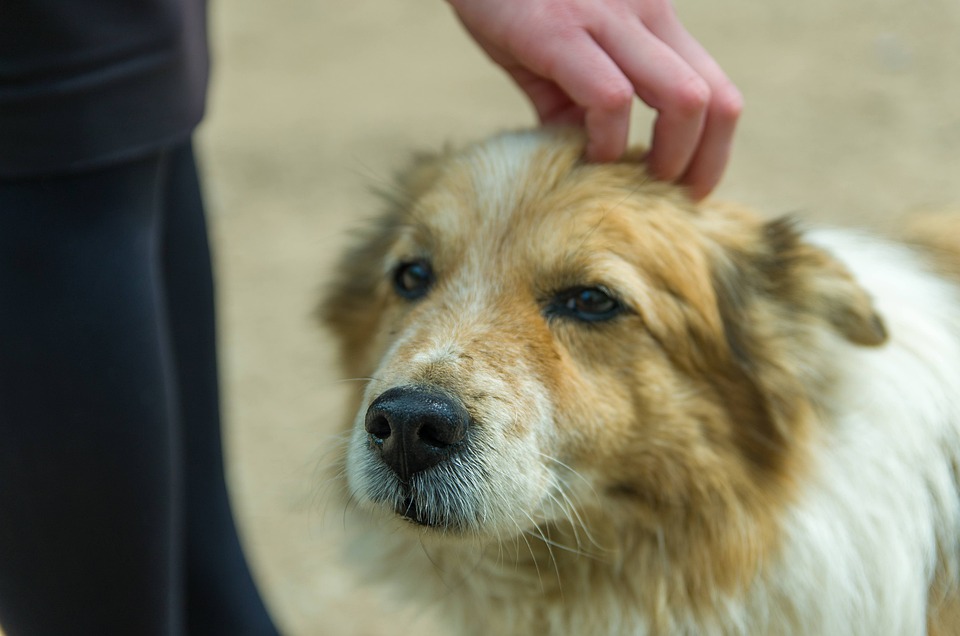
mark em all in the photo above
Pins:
pixel 606 210
pixel 590 269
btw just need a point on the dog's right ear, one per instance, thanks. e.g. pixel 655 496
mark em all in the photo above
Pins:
pixel 352 304
pixel 413 181
pixel 420 175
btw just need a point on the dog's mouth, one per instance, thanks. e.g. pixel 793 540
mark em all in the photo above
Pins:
pixel 421 456
pixel 417 449
pixel 420 510
pixel 454 500
pixel 408 509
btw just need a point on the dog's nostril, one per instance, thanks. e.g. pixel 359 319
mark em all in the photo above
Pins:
pixel 379 427
pixel 438 435
pixel 415 428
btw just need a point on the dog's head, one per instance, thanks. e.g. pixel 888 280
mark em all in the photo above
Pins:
pixel 545 338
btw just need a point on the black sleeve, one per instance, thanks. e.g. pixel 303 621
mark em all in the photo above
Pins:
pixel 84 83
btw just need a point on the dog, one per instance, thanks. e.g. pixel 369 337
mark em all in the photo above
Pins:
pixel 591 406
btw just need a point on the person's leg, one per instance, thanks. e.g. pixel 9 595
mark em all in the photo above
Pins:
pixel 221 595
pixel 89 471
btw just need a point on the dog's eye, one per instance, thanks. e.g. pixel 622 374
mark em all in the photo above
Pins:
pixel 412 280
pixel 591 304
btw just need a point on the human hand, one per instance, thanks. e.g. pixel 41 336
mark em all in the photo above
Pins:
pixel 582 61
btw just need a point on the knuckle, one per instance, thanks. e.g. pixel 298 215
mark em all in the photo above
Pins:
pixel 691 98
pixel 727 103
pixel 614 96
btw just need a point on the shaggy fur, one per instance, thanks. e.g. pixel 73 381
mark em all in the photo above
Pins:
pixel 763 436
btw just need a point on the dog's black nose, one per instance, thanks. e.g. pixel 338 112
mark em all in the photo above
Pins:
pixel 416 428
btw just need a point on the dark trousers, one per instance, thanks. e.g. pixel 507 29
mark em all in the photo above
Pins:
pixel 114 516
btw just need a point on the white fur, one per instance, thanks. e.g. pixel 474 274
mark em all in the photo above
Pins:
pixel 864 535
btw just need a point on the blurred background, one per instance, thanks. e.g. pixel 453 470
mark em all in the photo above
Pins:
pixel 852 116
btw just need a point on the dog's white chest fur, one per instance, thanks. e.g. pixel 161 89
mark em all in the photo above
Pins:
pixel 882 500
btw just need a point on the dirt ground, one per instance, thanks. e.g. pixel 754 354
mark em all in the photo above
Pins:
pixel 853 115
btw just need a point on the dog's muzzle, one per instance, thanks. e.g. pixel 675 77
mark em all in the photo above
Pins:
pixel 414 428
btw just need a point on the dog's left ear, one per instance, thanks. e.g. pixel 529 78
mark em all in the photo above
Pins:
pixel 815 285
pixel 776 294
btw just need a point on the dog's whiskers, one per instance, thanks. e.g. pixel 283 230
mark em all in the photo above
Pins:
pixel 568 468
pixel 567 506
pixel 580 522
pixel 539 533
pixel 542 537
pixel 352 502
pixel 563 507
pixel 576 524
